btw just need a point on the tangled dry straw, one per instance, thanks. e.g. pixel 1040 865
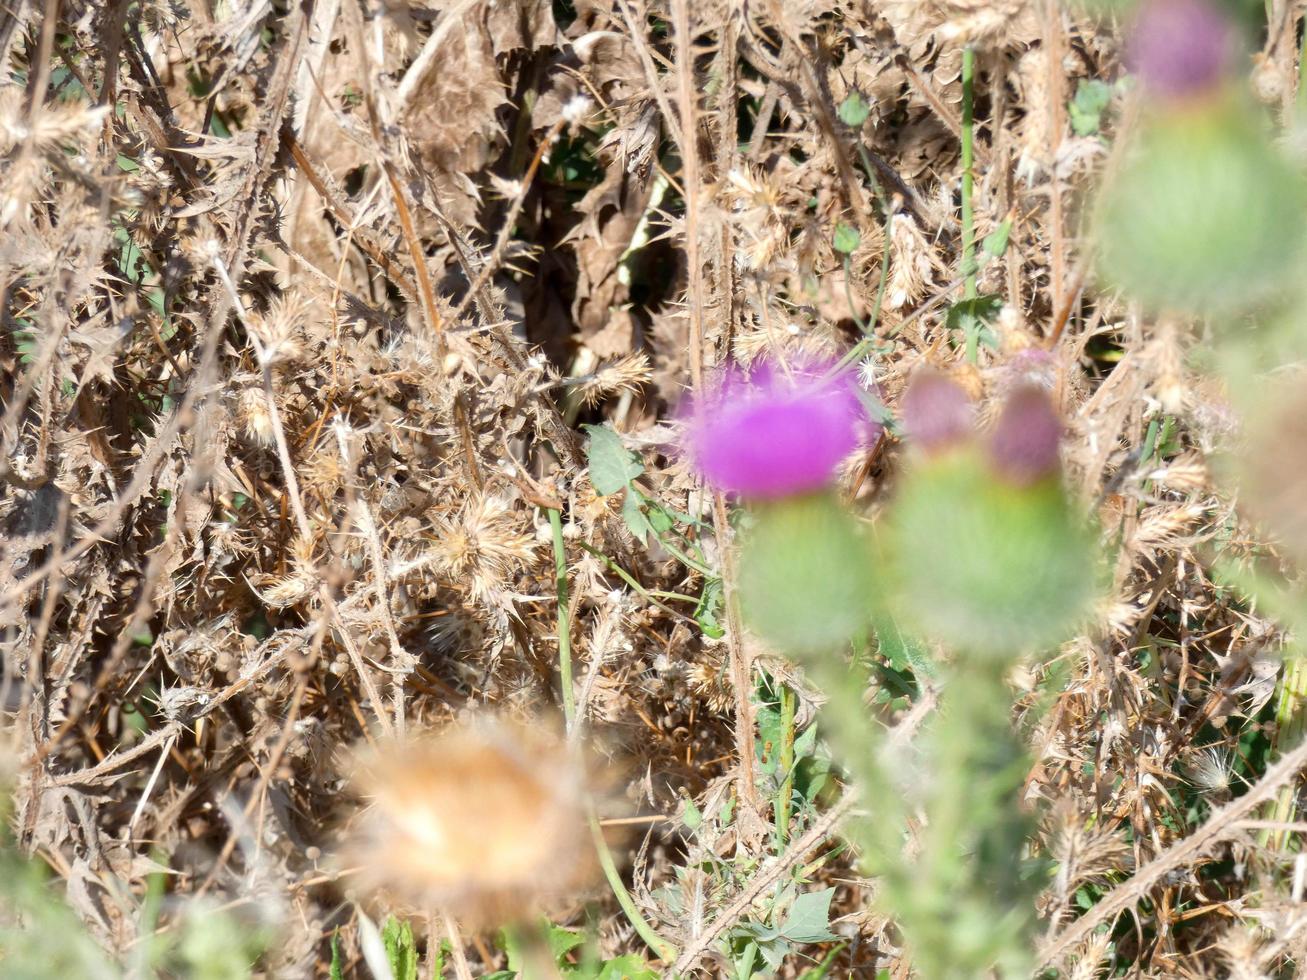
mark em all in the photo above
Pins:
pixel 304 308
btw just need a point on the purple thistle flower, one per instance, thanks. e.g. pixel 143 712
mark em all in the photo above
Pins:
pixel 1024 445
pixel 773 433
pixel 1181 48
pixel 936 412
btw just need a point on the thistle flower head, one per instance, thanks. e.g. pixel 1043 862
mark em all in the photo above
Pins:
pixel 775 432
pixel 1023 447
pixel 1181 49
pixel 485 821
pixel 936 412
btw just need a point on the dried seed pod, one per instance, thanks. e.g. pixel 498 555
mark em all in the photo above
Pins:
pixel 486 821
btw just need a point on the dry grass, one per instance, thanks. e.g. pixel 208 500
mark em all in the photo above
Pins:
pixel 303 308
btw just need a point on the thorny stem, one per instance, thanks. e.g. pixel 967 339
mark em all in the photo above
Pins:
pixel 462 970
pixel 968 181
pixel 690 175
pixel 655 942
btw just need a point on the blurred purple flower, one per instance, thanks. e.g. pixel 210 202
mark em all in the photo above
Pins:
pixel 936 411
pixel 1181 48
pixel 772 433
pixel 1024 444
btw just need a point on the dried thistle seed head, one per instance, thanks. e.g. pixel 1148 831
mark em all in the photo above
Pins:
pixel 981 23
pixel 486 543
pixel 299 585
pixel 912 263
pixel 485 820
pixel 255 419
pixel 280 331
pixel 710 679
pixel 619 376
pixel 1086 853
pixel 1211 769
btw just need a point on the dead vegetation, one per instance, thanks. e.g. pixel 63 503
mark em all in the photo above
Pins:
pixel 305 305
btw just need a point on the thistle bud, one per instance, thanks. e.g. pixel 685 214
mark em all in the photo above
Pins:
pixel 936 412
pixel 1024 445
pixel 1181 49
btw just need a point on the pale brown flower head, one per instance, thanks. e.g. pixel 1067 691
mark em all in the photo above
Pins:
pixel 485 821
pixel 485 545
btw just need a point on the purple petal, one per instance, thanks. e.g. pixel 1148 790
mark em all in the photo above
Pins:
pixel 773 433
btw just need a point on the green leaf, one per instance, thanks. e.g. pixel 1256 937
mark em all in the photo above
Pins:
pixel 854 110
pixel 636 522
pixel 846 238
pixel 337 966
pixel 996 241
pixel 1086 109
pixel 612 465
pixel 563 941
pixel 401 950
pixel 710 603
pixel 660 518
pixel 691 815
pixel 972 317
pixel 809 918
pixel 629 967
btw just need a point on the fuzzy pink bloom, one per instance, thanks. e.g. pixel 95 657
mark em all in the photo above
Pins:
pixel 1181 48
pixel 772 432
pixel 936 412
pixel 1024 444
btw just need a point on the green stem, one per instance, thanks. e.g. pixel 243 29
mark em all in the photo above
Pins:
pixel 786 794
pixel 1290 727
pixel 968 178
pixel 888 210
pixel 564 619
pixel 660 946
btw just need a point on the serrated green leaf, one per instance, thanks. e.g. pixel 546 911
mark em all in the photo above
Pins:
pixel 563 941
pixel 612 465
pixel 809 918
pixel 710 603
pixel 401 950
